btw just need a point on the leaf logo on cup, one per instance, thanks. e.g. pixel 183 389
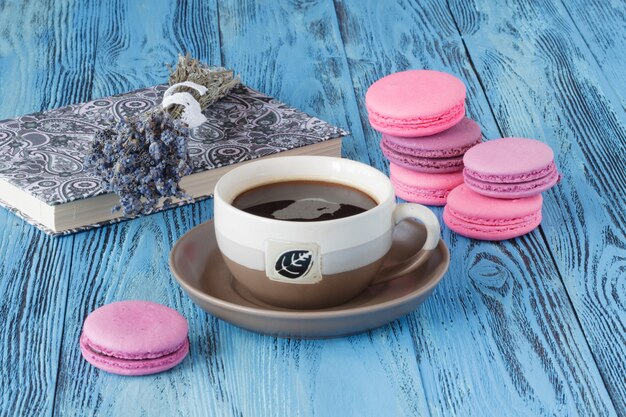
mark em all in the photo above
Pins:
pixel 296 263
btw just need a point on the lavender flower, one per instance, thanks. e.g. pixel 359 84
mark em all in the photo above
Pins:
pixel 142 161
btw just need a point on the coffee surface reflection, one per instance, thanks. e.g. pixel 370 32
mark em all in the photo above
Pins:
pixel 304 201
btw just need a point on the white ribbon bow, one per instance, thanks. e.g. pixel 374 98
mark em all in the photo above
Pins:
pixel 192 114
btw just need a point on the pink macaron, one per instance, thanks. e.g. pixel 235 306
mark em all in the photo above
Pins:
pixel 421 187
pixel 415 103
pixel 134 338
pixel 510 168
pixel 438 153
pixel 479 217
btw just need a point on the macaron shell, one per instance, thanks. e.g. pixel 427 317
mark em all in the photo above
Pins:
pixel 495 232
pixel 514 189
pixel 131 367
pixel 509 160
pixel 415 93
pixel 427 165
pixel 135 329
pixel 477 216
pixel 418 127
pixel 413 195
pixel 449 143
pixel 423 188
pixel 415 103
pixel 471 204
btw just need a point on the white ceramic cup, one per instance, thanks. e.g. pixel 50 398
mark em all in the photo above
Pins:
pixel 320 263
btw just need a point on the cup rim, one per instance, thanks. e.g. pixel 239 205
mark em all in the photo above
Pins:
pixel 380 205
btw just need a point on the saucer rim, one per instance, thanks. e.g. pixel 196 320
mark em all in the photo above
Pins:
pixel 301 314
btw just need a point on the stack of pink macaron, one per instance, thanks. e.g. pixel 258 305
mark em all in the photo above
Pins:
pixel 425 134
pixel 501 195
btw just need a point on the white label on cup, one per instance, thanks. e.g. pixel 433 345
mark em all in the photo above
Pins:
pixel 295 263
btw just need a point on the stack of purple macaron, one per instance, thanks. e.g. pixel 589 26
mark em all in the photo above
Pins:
pixel 501 195
pixel 425 134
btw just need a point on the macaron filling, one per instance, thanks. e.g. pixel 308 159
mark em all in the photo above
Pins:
pixel 414 190
pixel 481 221
pixel 456 112
pixel 485 226
pixel 425 162
pixel 550 169
pixel 119 359
pixel 500 188
pixel 427 153
pixel 121 355
pixel 429 165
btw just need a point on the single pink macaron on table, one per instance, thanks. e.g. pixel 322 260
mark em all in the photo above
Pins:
pixel 134 338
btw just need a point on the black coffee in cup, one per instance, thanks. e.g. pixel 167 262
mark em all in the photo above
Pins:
pixel 304 201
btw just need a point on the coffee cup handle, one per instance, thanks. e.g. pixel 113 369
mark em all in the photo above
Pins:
pixel 433 230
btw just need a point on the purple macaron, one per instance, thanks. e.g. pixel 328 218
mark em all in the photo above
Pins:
pixel 134 338
pixel 510 168
pixel 438 153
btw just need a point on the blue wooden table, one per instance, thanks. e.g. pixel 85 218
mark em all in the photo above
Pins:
pixel 535 326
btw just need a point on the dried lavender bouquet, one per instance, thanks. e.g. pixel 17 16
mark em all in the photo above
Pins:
pixel 142 159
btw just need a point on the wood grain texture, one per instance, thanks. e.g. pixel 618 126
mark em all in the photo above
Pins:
pixel 292 50
pixel 543 82
pixel 32 311
pixel 499 333
pixel 46 55
pixel 601 26
pixel 38 39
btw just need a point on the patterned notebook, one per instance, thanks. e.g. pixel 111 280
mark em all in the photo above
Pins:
pixel 42 153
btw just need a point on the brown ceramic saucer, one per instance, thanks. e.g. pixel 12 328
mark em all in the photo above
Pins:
pixel 197 265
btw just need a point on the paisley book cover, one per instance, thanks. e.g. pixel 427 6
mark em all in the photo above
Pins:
pixel 42 178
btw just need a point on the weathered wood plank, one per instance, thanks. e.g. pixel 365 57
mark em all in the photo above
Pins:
pixel 130 260
pixel 542 82
pixel 601 26
pixel 499 335
pixel 294 53
pixel 32 311
pixel 46 55
pixel 38 39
